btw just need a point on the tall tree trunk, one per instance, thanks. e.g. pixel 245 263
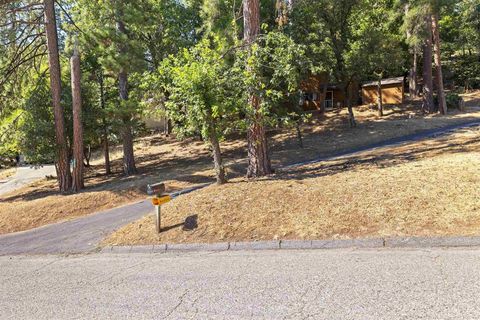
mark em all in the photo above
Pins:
pixel 412 76
pixel 106 153
pixel 442 103
pixel 62 164
pixel 324 98
pixel 128 155
pixel 258 158
pixel 106 147
pixel 77 183
pixel 129 167
pixel 380 97
pixel 412 79
pixel 348 102
pixel 428 105
pixel 217 156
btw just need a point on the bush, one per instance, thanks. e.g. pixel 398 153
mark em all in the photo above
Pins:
pixel 454 101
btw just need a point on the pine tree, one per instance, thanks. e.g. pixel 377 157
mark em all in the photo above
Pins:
pixel 78 155
pixel 258 153
pixel 62 163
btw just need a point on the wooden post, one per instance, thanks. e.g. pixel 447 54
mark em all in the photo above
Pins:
pixel 158 218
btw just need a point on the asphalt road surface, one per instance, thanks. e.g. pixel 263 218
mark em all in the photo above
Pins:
pixel 26 175
pixel 315 284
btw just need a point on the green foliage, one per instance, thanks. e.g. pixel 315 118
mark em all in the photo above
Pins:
pixel 460 27
pixel 38 132
pixel 377 51
pixel 185 60
pixel 465 71
pixel 271 69
pixel 454 101
pixel 201 96
pixel 9 134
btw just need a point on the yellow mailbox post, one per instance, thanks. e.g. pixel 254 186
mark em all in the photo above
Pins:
pixel 160 198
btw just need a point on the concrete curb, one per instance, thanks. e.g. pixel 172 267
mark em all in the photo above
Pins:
pixel 372 243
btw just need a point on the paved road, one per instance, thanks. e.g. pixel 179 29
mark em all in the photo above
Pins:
pixel 25 176
pixel 322 284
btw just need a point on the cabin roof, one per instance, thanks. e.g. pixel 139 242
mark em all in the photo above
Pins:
pixel 384 82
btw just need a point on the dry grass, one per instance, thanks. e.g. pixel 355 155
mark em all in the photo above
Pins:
pixel 472 99
pixel 7 173
pixel 423 189
pixel 183 164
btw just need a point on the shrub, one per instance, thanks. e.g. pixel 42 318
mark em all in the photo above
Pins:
pixel 454 101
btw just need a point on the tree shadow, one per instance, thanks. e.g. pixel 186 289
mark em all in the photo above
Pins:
pixel 360 162
pixel 190 223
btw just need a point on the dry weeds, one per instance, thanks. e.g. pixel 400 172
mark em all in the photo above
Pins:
pixel 423 189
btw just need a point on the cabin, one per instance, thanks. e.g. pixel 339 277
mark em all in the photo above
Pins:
pixel 393 91
pixel 318 94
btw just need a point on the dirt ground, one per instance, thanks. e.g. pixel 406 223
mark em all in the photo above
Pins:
pixel 186 163
pixel 426 188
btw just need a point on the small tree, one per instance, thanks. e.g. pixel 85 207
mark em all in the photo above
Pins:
pixel 271 70
pixel 200 96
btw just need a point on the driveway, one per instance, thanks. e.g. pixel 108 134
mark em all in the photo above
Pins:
pixel 75 236
pixel 24 176
pixel 321 284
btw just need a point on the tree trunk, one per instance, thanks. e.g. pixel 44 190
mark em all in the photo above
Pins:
pixel 78 155
pixel 106 148
pixel 62 164
pixel 217 156
pixel 106 153
pixel 258 158
pixel 442 103
pixel 428 105
pixel 167 128
pixel 324 98
pixel 348 103
pixel 412 77
pixel 380 97
pixel 128 155
pixel 251 20
pixel 88 155
pixel 412 81
pixel 129 167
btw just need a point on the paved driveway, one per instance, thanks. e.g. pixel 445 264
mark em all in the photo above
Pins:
pixel 75 236
pixel 25 176
pixel 321 284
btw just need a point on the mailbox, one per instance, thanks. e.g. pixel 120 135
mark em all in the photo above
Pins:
pixel 156 189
